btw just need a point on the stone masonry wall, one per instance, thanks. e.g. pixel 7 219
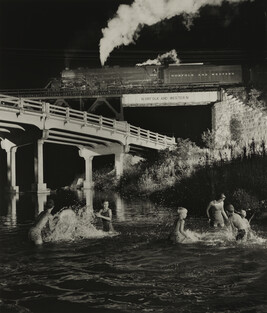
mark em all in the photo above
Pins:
pixel 235 122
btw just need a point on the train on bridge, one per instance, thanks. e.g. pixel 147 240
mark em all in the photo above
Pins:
pixel 148 76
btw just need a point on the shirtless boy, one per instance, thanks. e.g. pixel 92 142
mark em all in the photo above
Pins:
pixel 106 215
pixel 179 235
pixel 216 213
pixel 35 232
pixel 243 214
pixel 236 222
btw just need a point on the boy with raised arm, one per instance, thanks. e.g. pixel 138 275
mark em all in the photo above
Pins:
pixel 35 232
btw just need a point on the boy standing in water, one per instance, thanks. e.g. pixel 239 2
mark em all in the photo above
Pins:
pixel 216 213
pixel 35 232
pixel 236 222
pixel 179 235
pixel 106 215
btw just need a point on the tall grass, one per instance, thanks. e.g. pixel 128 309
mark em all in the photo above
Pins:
pixel 191 176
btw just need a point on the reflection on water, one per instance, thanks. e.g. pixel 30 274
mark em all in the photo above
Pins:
pixel 138 270
pixel 12 210
pixel 40 201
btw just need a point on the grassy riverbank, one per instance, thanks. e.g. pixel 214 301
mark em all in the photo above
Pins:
pixel 191 176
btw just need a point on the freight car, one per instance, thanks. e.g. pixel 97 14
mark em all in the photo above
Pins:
pixel 205 74
pixel 108 78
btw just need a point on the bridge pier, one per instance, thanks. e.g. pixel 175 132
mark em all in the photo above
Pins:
pixel 119 157
pixel 39 186
pixel 88 155
pixel 88 182
pixel 11 150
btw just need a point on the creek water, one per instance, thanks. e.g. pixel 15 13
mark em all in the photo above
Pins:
pixel 82 269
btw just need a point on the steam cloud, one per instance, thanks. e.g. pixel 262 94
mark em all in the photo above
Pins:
pixel 161 57
pixel 125 26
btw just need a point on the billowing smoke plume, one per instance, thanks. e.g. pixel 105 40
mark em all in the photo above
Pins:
pixel 171 56
pixel 125 26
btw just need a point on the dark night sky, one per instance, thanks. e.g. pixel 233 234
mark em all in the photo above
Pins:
pixel 39 38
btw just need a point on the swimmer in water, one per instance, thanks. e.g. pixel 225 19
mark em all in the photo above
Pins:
pixel 43 219
pixel 237 223
pixel 179 235
pixel 249 231
pixel 243 214
pixel 216 213
pixel 106 215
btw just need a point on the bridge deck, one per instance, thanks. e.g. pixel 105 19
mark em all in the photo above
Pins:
pixel 50 118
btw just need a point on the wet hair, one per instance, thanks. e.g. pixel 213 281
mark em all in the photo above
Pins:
pixel 181 210
pixel 220 196
pixel 50 204
pixel 230 208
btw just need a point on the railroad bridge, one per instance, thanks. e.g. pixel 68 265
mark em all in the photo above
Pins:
pixel 24 121
pixel 118 99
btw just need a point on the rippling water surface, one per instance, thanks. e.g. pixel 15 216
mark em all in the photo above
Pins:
pixel 137 270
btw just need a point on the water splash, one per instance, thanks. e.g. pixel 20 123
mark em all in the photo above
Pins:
pixel 223 238
pixel 79 222
pixel 71 224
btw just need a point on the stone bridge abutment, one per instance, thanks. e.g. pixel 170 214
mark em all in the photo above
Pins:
pixel 236 123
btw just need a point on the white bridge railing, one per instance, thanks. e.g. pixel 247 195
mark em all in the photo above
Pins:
pixel 22 105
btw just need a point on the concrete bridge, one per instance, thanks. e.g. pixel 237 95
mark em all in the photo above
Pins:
pixel 24 121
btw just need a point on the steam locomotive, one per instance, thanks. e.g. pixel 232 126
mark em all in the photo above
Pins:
pixel 108 78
